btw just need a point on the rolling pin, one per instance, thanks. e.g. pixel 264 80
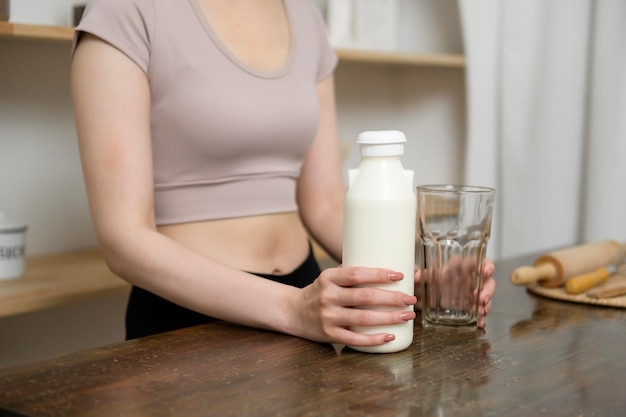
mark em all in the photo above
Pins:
pixel 581 283
pixel 553 269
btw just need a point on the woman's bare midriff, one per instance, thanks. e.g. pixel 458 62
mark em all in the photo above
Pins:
pixel 269 244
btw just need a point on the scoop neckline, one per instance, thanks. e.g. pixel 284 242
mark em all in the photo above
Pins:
pixel 275 73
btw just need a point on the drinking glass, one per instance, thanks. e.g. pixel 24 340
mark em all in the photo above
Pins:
pixel 454 225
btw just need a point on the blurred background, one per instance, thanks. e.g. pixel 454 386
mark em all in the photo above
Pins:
pixel 526 96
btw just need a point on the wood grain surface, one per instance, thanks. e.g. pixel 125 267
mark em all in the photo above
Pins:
pixel 537 357
pixel 41 32
pixel 58 279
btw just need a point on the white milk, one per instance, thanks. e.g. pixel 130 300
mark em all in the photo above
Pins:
pixel 379 223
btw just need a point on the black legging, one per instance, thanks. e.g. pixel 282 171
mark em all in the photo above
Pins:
pixel 148 314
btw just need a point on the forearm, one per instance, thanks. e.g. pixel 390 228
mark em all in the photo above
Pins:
pixel 159 264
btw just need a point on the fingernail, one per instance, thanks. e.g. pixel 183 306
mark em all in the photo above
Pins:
pixel 409 300
pixel 407 315
pixel 395 276
pixel 390 337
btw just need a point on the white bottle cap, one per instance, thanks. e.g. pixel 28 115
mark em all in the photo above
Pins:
pixel 382 143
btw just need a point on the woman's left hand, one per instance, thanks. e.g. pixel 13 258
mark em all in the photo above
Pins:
pixel 486 295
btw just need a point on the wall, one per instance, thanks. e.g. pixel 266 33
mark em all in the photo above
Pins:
pixel 426 104
pixel 59 330
pixel 40 174
pixel 43 12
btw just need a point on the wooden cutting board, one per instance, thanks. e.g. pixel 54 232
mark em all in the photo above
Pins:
pixel 560 293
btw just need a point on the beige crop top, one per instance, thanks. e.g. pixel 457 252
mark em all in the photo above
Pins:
pixel 228 140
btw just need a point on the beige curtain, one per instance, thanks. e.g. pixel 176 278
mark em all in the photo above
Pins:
pixel 547 119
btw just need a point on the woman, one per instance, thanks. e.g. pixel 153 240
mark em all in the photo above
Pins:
pixel 207 134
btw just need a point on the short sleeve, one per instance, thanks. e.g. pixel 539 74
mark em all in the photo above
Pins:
pixel 327 55
pixel 127 25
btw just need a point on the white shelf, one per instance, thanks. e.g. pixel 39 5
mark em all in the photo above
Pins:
pixel 66 34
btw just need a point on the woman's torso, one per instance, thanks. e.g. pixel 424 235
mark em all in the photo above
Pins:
pixel 270 243
pixel 233 113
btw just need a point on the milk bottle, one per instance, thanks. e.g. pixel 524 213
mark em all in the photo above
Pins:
pixel 380 210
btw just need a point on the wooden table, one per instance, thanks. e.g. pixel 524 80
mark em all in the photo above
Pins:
pixel 538 357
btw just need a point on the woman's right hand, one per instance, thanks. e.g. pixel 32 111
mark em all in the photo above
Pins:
pixel 326 309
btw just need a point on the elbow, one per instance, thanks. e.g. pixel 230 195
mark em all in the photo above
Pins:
pixel 117 253
pixel 114 261
pixel 122 242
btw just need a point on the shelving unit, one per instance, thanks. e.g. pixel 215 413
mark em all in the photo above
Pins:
pixel 396 58
pixel 65 34
pixel 59 279
pixel 40 32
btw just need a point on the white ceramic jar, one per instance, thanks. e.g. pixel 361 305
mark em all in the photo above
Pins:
pixel 12 248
